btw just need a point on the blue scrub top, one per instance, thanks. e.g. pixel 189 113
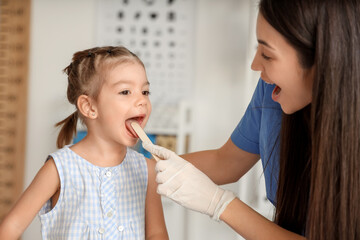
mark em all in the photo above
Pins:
pixel 259 132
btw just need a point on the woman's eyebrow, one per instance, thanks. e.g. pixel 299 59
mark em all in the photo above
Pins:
pixel 265 44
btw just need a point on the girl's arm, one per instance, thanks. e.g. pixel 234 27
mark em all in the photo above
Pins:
pixel 251 225
pixel 224 165
pixel 44 185
pixel 155 227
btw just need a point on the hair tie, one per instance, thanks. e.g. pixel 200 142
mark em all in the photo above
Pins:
pixel 108 51
pixel 90 54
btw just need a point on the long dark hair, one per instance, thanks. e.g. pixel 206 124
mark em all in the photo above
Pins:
pixel 319 180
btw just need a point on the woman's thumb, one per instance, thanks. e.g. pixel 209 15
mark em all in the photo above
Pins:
pixel 157 150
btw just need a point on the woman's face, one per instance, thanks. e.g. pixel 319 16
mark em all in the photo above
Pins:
pixel 278 63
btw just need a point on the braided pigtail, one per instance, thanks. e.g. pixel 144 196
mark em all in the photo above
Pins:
pixel 67 131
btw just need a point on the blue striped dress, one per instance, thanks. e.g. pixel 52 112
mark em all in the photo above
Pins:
pixel 97 202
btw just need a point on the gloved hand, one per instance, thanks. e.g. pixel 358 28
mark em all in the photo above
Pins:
pixel 182 182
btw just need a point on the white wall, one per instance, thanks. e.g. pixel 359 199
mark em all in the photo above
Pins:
pixel 58 29
pixel 220 97
pixel 221 48
pixel 222 86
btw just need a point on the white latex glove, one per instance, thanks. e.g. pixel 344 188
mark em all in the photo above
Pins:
pixel 182 182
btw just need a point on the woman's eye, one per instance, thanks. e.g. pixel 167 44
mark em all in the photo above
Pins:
pixel 146 93
pixel 265 57
pixel 125 92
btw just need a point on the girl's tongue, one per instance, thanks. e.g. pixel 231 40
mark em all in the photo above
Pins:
pixel 130 129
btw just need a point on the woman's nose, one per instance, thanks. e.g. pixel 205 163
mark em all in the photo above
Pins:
pixel 256 65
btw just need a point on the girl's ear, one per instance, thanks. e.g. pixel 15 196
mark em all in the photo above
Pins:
pixel 86 107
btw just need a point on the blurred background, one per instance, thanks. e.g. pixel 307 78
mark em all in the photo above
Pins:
pixel 197 54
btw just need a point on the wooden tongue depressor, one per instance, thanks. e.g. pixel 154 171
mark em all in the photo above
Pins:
pixel 142 135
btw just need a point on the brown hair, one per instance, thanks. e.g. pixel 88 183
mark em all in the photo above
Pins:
pixel 86 74
pixel 319 181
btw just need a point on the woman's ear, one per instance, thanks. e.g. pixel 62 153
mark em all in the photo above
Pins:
pixel 86 107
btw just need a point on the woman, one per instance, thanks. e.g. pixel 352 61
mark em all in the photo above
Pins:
pixel 303 122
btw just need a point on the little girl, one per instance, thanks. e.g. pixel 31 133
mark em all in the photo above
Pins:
pixel 98 188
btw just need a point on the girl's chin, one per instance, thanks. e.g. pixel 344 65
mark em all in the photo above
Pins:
pixel 128 141
pixel 132 142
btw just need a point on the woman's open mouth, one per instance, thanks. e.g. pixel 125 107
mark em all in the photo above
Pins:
pixel 276 93
pixel 128 122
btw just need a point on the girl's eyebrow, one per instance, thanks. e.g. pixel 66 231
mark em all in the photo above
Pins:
pixel 128 82
pixel 265 44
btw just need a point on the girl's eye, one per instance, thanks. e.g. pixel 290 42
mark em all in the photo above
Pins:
pixel 125 92
pixel 146 93
pixel 265 57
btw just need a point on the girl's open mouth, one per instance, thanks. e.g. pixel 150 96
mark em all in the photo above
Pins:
pixel 128 122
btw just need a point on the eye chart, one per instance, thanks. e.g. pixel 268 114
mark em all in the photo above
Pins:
pixel 161 33
pixel 14 49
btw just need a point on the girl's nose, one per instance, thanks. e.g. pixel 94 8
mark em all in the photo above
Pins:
pixel 141 100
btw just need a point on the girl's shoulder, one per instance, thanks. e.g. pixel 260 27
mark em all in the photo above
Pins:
pixel 65 158
pixel 62 152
